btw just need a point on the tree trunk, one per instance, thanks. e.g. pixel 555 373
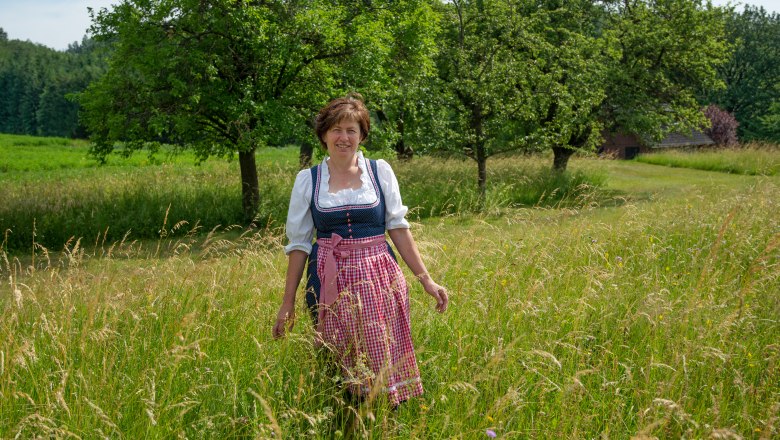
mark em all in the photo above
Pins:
pixel 481 171
pixel 402 151
pixel 250 190
pixel 479 151
pixel 561 157
pixel 305 155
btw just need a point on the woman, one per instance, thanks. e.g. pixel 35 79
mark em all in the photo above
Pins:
pixel 355 290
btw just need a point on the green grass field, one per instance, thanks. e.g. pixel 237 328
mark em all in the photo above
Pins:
pixel 647 307
pixel 60 195
pixel 752 159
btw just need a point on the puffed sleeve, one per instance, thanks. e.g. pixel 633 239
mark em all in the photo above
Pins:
pixel 300 225
pixel 395 211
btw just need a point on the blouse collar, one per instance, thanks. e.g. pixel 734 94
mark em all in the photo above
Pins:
pixel 365 183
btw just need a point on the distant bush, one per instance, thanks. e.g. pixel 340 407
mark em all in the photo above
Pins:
pixel 723 126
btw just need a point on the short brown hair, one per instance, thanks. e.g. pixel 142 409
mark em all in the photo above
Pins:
pixel 350 107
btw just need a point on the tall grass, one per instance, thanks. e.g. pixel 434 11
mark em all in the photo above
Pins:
pixel 435 187
pixel 753 159
pixel 54 207
pixel 654 319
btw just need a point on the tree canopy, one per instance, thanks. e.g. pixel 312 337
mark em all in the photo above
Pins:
pixel 752 73
pixel 532 75
pixel 229 76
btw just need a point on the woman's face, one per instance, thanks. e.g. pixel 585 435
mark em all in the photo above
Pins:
pixel 343 139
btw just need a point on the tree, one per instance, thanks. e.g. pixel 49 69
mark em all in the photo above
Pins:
pixel 661 53
pixel 227 76
pixel 483 80
pixel 752 73
pixel 401 102
pixel 392 77
pixel 553 74
pixel 516 75
pixel 576 60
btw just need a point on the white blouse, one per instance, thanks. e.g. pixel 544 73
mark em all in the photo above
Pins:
pixel 300 225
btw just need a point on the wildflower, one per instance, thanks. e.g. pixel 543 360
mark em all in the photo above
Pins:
pixel 503 282
pixel 660 317
pixel 490 433
pixel 489 419
pixel 424 408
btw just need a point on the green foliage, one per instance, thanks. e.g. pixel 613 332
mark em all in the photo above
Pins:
pixel 401 98
pixel 485 79
pixel 536 75
pixel 752 74
pixel 236 75
pixel 36 82
pixel 771 121
pixel 516 75
pixel 668 50
pixel 755 160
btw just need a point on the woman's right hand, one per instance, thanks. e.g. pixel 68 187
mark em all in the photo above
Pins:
pixel 285 320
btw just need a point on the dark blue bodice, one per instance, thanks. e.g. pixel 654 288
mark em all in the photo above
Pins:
pixel 349 221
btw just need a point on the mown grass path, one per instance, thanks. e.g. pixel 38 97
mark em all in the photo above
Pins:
pixel 651 314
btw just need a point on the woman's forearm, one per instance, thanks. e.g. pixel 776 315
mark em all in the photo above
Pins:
pixel 296 264
pixel 404 242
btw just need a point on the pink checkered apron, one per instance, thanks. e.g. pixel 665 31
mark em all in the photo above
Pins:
pixel 364 316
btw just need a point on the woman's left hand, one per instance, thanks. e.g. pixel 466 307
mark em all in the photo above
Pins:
pixel 436 291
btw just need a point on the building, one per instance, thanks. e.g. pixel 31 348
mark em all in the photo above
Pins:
pixel 628 146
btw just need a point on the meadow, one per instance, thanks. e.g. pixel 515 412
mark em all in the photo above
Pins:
pixel 755 159
pixel 54 194
pixel 639 301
